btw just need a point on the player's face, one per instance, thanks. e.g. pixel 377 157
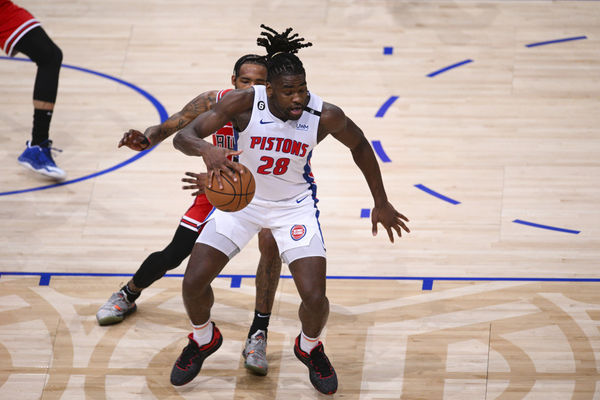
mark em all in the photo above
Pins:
pixel 288 95
pixel 250 75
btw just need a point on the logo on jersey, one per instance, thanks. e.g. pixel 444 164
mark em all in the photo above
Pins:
pixel 301 127
pixel 265 122
pixel 297 232
pixel 261 105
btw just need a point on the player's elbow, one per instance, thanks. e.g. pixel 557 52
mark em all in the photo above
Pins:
pixel 179 141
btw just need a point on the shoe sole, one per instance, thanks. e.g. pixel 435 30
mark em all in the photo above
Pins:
pixel 256 369
pixel 46 174
pixel 114 319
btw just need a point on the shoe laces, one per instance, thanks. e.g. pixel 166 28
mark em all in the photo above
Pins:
pixel 47 148
pixel 189 353
pixel 320 362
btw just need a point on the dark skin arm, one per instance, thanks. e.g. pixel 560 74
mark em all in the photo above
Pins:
pixel 153 135
pixel 335 123
pixel 235 107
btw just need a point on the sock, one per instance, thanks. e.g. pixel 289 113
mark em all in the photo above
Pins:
pixel 41 126
pixel 260 322
pixel 130 294
pixel 308 343
pixel 203 333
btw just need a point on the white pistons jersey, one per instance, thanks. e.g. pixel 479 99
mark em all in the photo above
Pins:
pixel 277 152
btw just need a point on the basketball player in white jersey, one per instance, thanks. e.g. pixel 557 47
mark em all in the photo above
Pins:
pixel 248 70
pixel 278 126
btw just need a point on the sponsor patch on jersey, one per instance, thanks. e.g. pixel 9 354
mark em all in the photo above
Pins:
pixel 301 127
pixel 297 232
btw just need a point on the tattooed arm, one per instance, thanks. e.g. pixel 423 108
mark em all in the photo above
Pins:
pixel 153 135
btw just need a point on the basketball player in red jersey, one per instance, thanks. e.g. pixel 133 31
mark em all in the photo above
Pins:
pixel 278 126
pixel 21 32
pixel 248 70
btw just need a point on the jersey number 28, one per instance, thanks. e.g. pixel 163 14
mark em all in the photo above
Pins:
pixel 281 166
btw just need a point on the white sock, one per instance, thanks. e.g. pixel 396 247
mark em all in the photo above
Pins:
pixel 203 333
pixel 308 343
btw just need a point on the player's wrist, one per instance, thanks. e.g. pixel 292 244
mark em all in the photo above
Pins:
pixel 146 142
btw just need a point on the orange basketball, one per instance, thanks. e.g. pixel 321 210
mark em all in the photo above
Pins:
pixel 235 195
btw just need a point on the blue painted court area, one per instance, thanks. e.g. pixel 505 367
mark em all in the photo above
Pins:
pixel 570 39
pixel 236 280
pixel 380 152
pixel 436 194
pixel 162 113
pixel 448 68
pixel 548 227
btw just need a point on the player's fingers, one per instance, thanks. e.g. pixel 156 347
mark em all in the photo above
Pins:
pixel 236 166
pixel 398 230
pixel 403 225
pixel 374 228
pixel 196 193
pixel 230 171
pixel 219 181
pixel 211 174
pixel 390 234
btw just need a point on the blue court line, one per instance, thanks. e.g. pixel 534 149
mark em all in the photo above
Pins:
pixel 552 228
pixel 384 107
pixel 236 279
pixel 162 112
pixel 365 212
pixel 387 50
pixel 556 41
pixel 436 194
pixel 379 150
pixel 439 71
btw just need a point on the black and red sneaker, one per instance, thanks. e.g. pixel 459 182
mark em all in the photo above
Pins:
pixel 190 361
pixel 321 372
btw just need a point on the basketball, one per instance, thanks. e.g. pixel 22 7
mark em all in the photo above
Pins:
pixel 235 195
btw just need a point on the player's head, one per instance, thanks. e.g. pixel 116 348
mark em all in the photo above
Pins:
pixel 286 78
pixel 249 70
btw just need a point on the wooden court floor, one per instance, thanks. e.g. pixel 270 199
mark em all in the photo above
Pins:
pixel 484 116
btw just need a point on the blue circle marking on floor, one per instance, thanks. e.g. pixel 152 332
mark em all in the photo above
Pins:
pixel 556 41
pixel 551 228
pixel 162 112
pixel 449 67
pixel 436 194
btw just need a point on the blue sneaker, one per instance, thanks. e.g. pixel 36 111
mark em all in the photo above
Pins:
pixel 38 159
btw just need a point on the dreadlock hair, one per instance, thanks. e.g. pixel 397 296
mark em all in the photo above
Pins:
pixel 280 56
pixel 248 59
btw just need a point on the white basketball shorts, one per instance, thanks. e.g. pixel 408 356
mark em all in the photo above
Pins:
pixel 294 223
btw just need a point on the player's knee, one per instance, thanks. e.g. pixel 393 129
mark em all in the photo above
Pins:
pixel 49 56
pixel 194 283
pixel 315 301
pixel 267 244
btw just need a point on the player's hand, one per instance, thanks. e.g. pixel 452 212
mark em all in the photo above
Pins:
pixel 390 219
pixel 218 164
pixel 197 182
pixel 135 140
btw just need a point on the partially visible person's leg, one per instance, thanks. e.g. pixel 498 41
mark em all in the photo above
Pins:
pixel 267 279
pixel 211 253
pixel 154 267
pixel 309 277
pixel 48 57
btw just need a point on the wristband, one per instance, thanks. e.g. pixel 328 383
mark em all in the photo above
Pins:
pixel 146 141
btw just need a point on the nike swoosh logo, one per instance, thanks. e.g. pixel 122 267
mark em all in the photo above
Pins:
pixel 265 122
pixel 262 316
pixel 300 200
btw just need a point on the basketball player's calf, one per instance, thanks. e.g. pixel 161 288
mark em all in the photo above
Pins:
pixel 267 279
